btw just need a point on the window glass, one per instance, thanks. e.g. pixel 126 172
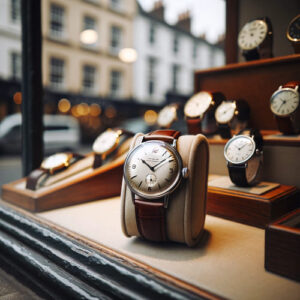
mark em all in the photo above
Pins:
pixel 57 18
pixel 57 72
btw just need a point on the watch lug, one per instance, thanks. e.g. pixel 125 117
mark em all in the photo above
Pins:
pixel 166 201
pixel 280 87
pixel 174 144
pixel 296 87
pixel 185 172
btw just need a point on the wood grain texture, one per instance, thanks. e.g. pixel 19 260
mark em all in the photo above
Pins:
pixel 254 210
pixel 254 82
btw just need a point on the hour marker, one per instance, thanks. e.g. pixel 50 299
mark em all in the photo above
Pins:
pixel 159 186
pixel 164 153
pixel 133 176
pixel 171 160
pixel 149 188
pixel 140 183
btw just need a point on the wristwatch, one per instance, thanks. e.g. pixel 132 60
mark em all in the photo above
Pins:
pixel 52 164
pixel 293 33
pixel 153 171
pixel 199 112
pixel 256 39
pixel 243 153
pixel 232 114
pixel 106 144
pixel 284 104
pixel 167 116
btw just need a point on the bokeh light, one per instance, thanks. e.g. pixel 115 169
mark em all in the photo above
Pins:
pixel 64 105
pixel 150 117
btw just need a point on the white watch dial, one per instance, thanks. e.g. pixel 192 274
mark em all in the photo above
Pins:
pixel 239 149
pixel 198 105
pixel 225 112
pixel 105 141
pixel 252 34
pixel 167 116
pixel 152 169
pixel 54 161
pixel 284 101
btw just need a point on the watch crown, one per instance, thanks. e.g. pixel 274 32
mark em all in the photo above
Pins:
pixel 185 172
pixel 236 112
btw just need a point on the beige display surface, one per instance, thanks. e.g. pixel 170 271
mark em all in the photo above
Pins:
pixel 228 262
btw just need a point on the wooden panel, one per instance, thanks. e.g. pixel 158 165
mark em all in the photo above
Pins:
pixel 252 81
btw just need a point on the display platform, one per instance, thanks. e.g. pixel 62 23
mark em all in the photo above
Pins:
pixel 229 261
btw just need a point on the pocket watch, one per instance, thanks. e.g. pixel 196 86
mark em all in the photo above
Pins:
pixel 152 171
pixel 52 164
pixel 256 39
pixel 230 115
pixel 293 33
pixel 167 116
pixel 243 154
pixel 284 104
pixel 199 112
pixel 106 143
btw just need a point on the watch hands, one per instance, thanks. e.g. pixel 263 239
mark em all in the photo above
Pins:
pixel 164 161
pixel 144 162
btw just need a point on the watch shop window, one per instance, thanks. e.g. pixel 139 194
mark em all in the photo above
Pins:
pixel 151 75
pixel 175 77
pixel 88 81
pixel 57 15
pixel 176 43
pixel 152 33
pixel 16 65
pixel 115 40
pixel 15 11
pixel 57 73
pixel 115 83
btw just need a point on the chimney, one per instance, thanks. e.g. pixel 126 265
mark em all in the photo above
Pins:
pixel 158 10
pixel 184 21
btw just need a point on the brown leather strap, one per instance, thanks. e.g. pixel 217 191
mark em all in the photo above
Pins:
pixel 194 126
pixel 161 133
pixel 150 217
pixel 98 161
pixel 291 84
pixel 33 178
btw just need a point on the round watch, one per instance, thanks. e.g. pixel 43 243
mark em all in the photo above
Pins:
pixel 293 33
pixel 284 104
pixel 152 171
pixel 199 112
pixel 243 154
pixel 167 116
pixel 50 165
pixel 231 114
pixel 106 143
pixel 256 39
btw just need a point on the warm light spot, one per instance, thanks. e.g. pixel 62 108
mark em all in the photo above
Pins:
pixel 150 117
pixel 128 55
pixel 83 109
pixel 95 110
pixel 110 112
pixel 88 37
pixel 64 105
pixel 18 97
pixel 74 111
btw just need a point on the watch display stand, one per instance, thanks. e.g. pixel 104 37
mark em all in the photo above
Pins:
pixel 282 246
pixel 255 206
pixel 186 210
pixel 77 184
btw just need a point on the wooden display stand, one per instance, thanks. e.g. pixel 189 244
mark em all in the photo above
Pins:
pixel 282 246
pixel 252 209
pixel 87 185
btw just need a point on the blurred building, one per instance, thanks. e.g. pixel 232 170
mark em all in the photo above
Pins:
pixel 168 55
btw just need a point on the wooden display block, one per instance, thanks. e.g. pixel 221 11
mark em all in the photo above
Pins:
pixel 249 208
pixel 282 246
pixel 254 82
pixel 86 185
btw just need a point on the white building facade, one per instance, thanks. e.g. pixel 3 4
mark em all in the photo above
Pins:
pixel 168 56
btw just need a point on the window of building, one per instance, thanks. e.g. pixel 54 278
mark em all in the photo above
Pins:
pixel 57 74
pixel 176 43
pixel 151 75
pixel 88 80
pixel 115 83
pixel 175 77
pixel 116 39
pixel 15 10
pixel 57 15
pixel 89 23
pixel 16 65
pixel 116 4
pixel 152 32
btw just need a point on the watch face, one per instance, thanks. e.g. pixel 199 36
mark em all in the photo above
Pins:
pixel 239 149
pixel 225 112
pixel 105 142
pixel 284 101
pixel 167 116
pixel 54 161
pixel 293 32
pixel 198 105
pixel 153 169
pixel 252 34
